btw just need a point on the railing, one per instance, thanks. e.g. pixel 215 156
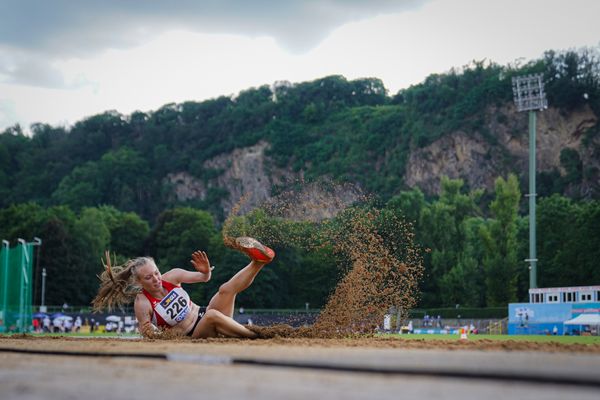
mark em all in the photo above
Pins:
pixel 278 311
pixel 129 310
pixel 77 310
pixel 461 312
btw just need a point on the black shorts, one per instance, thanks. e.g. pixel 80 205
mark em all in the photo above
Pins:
pixel 201 312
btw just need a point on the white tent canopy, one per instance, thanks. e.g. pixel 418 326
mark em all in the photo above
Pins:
pixel 584 319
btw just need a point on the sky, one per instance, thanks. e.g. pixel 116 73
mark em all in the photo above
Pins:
pixel 64 60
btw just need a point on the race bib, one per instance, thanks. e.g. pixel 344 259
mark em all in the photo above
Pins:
pixel 174 307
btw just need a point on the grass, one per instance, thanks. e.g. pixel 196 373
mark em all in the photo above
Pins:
pixel 529 338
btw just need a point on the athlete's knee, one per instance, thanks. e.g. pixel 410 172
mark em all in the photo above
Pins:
pixel 213 315
pixel 226 289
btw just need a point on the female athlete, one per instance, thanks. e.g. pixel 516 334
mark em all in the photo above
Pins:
pixel 162 304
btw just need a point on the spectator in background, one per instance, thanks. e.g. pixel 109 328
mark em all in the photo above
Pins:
pixel 77 324
pixel 46 324
pixel 57 325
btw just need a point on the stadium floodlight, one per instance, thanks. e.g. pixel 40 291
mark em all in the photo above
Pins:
pixel 528 92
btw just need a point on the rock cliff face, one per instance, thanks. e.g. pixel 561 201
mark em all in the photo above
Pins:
pixel 501 147
pixel 185 187
pixel 243 173
pixel 247 173
pixel 498 148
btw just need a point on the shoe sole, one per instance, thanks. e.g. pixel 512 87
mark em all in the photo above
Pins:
pixel 246 242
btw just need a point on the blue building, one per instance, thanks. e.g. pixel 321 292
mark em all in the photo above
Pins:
pixel 549 308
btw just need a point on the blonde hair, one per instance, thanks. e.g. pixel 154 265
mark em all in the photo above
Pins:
pixel 118 284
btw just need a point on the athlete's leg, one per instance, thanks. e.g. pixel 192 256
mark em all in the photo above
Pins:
pixel 224 299
pixel 260 255
pixel 215 322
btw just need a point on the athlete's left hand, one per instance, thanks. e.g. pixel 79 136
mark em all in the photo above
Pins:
pixel 200 262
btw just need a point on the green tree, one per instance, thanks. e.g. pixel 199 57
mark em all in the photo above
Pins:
pixel 586 244
pixel 444 233
pixel 178 233
pixel 67 250
pixel 568 242
pixel 106 228
pixel 20 221
pixel 410 204
pixel 500 240
pixel 91 228
pixel 555 216
pixel 464 284
pixel 572 78
pixel 118 178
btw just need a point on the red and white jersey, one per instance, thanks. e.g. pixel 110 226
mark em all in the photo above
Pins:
pixel 171 309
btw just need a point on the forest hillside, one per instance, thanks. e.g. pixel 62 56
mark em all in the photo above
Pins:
pixel 444 151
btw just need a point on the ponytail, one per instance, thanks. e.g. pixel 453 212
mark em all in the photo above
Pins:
pixel 118 284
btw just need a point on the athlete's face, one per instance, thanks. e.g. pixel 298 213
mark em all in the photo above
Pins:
pixel 149 276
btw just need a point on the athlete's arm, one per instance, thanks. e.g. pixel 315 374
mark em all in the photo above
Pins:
pixel 202 274
pixel 143 313
pixel 177 276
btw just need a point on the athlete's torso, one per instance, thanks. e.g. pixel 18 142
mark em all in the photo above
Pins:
pixel 171 309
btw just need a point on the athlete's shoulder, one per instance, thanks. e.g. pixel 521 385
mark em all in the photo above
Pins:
pixel 141 300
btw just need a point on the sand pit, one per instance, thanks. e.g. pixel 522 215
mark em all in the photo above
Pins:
pixel 246 347
pixel 295 368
